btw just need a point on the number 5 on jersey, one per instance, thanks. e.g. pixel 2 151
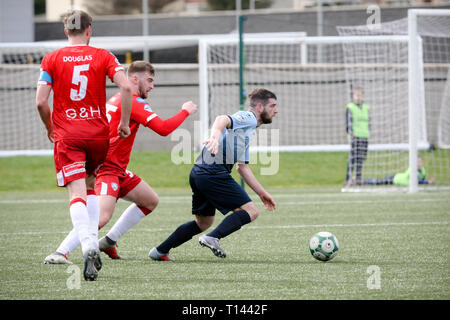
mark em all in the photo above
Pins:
pixel 79 79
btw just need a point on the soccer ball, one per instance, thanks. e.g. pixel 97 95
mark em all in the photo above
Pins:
pixel 323 246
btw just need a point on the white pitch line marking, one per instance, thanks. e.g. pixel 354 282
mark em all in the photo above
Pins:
pixel 387 224
pixel 183 199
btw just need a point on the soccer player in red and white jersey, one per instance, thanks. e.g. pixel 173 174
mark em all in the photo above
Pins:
pixel 78 124
pixel 113 179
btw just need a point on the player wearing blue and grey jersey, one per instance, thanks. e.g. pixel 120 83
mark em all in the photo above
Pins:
pixel 233 145
pixel 213 187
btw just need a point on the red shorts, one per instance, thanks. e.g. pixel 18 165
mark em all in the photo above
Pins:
pixel 116 185
pixel 75 159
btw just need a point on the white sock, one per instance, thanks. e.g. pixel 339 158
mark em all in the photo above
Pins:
pixel 132 215
pixel 81 224
pixel 72 241
pixel 94 214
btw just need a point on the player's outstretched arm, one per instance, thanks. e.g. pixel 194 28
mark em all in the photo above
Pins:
pixel 126 96
pixel 189 106
pixel 42 95
pixel 246 173
pixel 212 143
pixel 166 127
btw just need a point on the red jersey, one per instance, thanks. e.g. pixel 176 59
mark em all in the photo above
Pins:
pixel 77 75
pixel 141 113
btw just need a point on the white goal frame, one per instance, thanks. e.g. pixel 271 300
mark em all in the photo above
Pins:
pixel 416 92
pixel 303 42
pixel 122 45
pixel 415 82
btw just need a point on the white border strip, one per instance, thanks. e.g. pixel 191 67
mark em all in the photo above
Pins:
pixel 13 153
pixel 304 226
pixel 336 148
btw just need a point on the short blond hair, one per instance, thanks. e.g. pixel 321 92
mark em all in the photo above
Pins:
pixel 140 66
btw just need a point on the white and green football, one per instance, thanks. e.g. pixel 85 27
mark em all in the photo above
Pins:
pixel 323 246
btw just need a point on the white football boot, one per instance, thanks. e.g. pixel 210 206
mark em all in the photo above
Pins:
pixel 213 244
pixel 56 258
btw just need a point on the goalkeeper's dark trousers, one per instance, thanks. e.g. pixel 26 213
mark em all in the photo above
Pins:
pixel 356 156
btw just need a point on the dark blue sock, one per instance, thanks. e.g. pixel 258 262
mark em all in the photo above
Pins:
pixel 230 224
pixel 183 233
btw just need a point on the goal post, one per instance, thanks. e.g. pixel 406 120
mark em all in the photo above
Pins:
pixel 301 80
pixel 405 75
pixel 415 81
pixel 21 129
pixel 428 59
pixel 205 60
pixel 313 78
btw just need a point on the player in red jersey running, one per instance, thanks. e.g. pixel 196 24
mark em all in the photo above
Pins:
pixel 113 180
pixel 78 125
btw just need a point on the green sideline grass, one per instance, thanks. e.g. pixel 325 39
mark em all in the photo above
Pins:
pixel 406 236
pixel 31 174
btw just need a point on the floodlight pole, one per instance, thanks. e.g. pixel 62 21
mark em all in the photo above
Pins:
pixel 252 5
pixel 319 18
pixel 242 93
pixel 145 29
pixel 319 28
pixel 238 5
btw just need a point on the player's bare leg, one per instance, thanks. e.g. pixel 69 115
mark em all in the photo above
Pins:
pixel 143 196
pixel 107 205
pixel 144 200
pixel 204 222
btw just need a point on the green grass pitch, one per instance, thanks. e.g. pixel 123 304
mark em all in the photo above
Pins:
pixel 405 236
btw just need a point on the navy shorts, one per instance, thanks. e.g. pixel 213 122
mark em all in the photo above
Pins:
pixel 216 191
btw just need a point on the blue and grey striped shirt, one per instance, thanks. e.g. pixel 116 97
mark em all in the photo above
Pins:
pixel 233 145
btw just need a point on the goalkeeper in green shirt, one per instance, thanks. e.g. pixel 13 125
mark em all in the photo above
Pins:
pixel 358 131
pixel 402 178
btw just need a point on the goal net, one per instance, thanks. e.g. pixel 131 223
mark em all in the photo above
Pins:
pixel 22 130
pixel 314 79
pixel 429 34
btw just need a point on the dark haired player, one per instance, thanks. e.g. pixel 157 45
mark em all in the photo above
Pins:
pixel 213 186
